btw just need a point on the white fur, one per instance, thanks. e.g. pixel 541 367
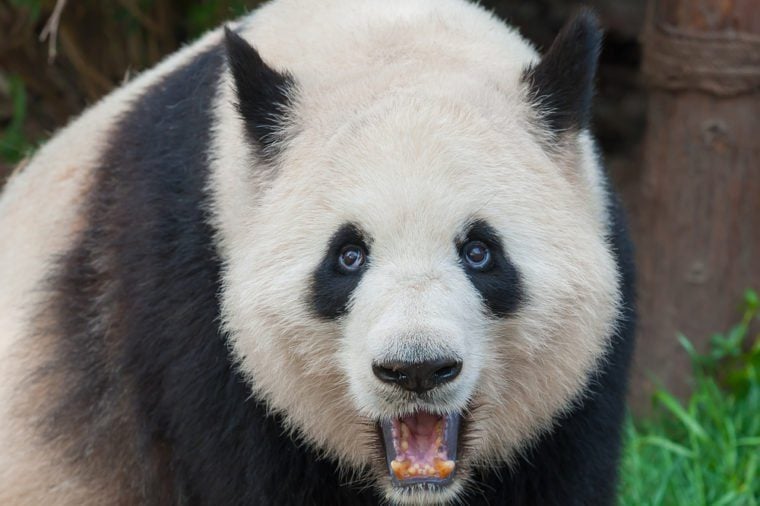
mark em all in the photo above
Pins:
pixel 410 120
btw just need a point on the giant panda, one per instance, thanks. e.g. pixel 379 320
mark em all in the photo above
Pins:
pixel 338 252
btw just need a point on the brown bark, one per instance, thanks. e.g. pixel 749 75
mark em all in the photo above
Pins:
pixel 696 218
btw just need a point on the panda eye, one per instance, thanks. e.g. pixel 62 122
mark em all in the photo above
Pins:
pixel 351 258
pixel 477 255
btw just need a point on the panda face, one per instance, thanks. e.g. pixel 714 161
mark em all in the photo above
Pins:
pixel 440 242
pixel 415 280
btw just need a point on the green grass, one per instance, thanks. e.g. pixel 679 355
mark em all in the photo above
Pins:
pixel 704 451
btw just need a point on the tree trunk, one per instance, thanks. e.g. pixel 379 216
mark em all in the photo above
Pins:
pixel 696 219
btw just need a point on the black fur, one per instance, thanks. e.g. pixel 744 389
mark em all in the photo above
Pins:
pixel 562 84
pixel 263 93
pixel 149 401
pixel 332 286
pixel 500 285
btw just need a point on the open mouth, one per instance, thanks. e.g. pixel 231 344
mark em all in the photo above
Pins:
pixel 421 448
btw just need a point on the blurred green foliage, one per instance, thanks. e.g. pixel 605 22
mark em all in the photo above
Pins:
pixel 32 7
pixel 706 451
pixel 201 16
pixel 98 43
pixel 13 143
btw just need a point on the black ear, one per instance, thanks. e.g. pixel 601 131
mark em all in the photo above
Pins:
pixel 262 92
pixel 562 84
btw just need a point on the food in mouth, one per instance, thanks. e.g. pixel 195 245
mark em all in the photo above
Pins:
pixel 421 448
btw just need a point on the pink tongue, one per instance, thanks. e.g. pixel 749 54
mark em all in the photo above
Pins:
pixel 423 441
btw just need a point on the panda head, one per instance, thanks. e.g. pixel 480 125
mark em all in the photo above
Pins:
pixel 416 270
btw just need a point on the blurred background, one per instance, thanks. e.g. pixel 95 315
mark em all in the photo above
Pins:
pixel 678 119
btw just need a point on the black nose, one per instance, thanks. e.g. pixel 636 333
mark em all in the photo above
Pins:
pixel 418 377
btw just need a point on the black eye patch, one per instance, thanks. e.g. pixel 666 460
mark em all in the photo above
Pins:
pixel 500 284
pixel 332 282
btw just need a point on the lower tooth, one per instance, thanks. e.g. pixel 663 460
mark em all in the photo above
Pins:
pixel 405 468
pixel 445 468
pixel 398 468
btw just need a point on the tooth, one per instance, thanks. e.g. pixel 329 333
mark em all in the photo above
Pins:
pixel 401 469
pixel 398 468
pixel 404 445
pixel 445 467
pixel 429 470
pixel 404 431
pixel 413 470
pixel 438 442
